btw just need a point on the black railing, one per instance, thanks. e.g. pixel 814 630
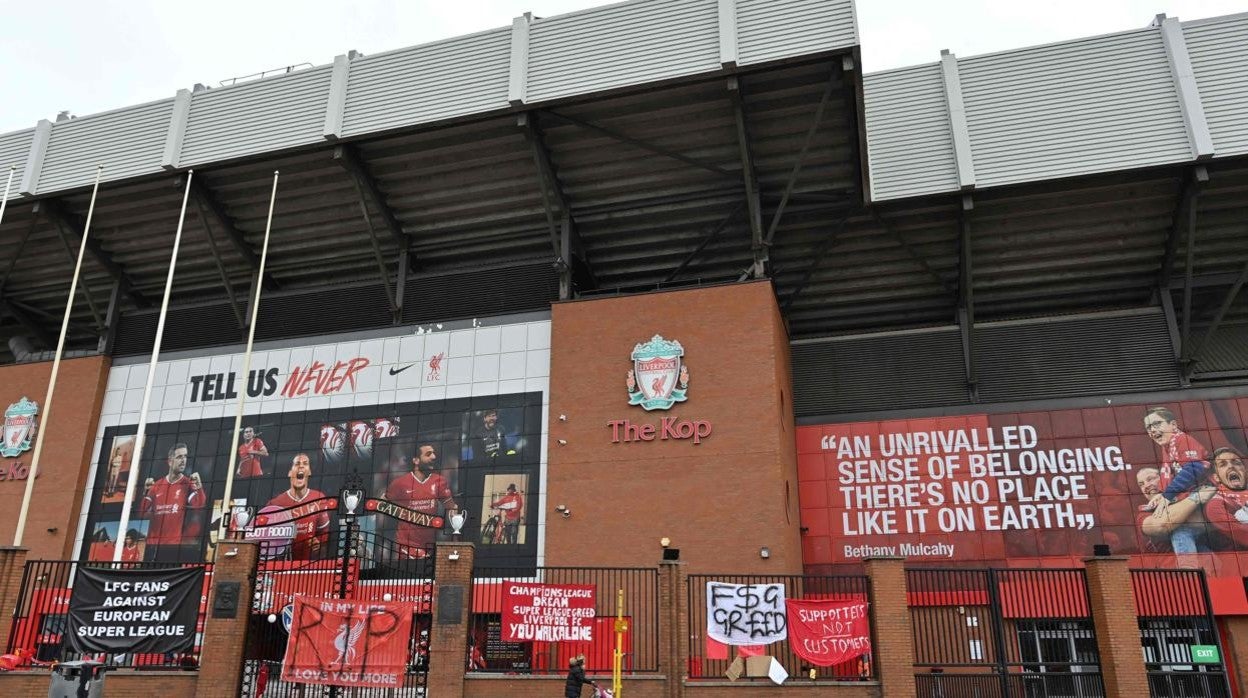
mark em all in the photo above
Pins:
pixel 490 651
pixel 1182 649
pixel 41 617
pixel 1011 632
pixel 707 661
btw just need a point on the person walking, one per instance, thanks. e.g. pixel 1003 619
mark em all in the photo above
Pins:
pixel 576 677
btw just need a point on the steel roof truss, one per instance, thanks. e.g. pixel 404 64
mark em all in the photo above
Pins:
pixel 706 240
pixel 202 208
pixel 570 257
pixel 59 216
pixel 638 143
pixel 1198 348
pixel 825 246
pixel 86 289
pixel 210 208
pixel 1183 214
pixel 350 160
pixel 382 271
pixel 25 320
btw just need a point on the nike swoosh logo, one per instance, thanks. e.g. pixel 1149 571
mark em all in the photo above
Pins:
pixel 397 371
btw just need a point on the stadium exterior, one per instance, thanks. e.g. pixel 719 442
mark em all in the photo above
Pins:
pixel 678 271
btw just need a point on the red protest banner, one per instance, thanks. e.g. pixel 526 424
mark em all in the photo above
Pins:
pixel 548 612
pixel 335 642
pixel 826 633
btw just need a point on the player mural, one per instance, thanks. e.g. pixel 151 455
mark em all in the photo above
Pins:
pixel 418 461
pixel 1164 481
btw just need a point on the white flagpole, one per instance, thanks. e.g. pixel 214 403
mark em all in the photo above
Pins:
pixel 8 185
pixel 56 362
pixel 246 376
pixel 135 460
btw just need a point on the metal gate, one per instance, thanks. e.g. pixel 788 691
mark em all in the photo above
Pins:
pixel 1003 633
pixel 1182 648
pixel 342 547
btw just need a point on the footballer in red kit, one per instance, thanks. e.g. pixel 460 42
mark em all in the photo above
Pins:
pixel 311 532
pixel 166 501
pixel 249 453
pixel 421 490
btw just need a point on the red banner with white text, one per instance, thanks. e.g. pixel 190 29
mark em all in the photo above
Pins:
pixel 337 642
pixel 827 633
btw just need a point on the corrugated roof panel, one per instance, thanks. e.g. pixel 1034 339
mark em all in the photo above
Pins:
pixel 909 141
pixel 14 148
pixel 1219 52
pixel 1077 107
pixel 465 75
pixel 627 44
pixel 772 29
pixel 127 142
pixel 256 117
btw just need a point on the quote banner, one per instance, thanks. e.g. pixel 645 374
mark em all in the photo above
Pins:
pixel 745 614
pixel 826 633
pixel 147 611
pixel 335 642
pixel 548 612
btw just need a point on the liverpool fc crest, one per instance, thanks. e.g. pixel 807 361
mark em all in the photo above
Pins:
pixel 19 427
pixel 659 378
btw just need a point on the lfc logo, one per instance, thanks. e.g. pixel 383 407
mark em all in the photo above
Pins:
pixel 659 378
pixel 19 427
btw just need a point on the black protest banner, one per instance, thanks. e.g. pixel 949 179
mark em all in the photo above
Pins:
pixel 121 611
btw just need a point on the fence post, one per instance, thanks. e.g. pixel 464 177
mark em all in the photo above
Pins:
pixel 12 566
pixel 225 634
pixel 448 638
pixel 893 655
pixel 673 626
pixel 1111 597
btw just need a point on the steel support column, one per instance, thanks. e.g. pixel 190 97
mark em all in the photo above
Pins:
pixel 112 316
pixel 239 313
pixel 570 256
pixel 753 201
pixel 966 297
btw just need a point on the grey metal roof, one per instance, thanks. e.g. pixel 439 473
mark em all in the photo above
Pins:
pixel 1166 94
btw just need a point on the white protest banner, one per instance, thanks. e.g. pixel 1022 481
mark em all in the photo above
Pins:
pixel 745 614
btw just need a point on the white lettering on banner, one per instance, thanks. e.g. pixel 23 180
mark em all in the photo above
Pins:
pixel 960 480
pixel 745 614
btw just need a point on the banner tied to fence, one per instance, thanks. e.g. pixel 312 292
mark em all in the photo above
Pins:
pixel 826 633
pixel 120 611
pixel 336 642
pixel 548 612
pixel 745 614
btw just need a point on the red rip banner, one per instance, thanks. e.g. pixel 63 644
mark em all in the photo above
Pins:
pixel 335 642
pixel 548 612
pixel 826 633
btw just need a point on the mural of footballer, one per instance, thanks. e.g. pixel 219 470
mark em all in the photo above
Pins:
pixel 249 454
pixel 166 502
pixel 420 489
pixel 311 532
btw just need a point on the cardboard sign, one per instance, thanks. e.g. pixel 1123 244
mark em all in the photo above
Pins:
pixel 148 611
pixel 336 642
pixel 745 614
pixel 548 612
pixel 826 633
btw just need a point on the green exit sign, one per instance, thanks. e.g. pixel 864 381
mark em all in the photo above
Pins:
pixel 1205 654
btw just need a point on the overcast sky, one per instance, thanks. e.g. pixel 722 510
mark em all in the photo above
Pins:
pixel 87 56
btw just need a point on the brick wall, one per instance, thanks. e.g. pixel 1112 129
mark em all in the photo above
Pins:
pixel 894 635
pixel 12 564
pixel 221 661
pixel 448 642
pixel 1112 600
pixel 66 460
pixel 124 682
pixel 737 353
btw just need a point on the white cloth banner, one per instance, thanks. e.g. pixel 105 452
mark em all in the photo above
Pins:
pixel 745 614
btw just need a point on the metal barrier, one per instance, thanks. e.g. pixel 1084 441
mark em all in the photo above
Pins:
pixel 41 616
pixel 1009 632
pixel 1182 650
pixel 489 651
pixel 848 588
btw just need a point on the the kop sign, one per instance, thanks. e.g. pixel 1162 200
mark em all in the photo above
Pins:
pixel 659 379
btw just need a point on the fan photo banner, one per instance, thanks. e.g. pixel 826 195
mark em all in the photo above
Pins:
pixel 147 611
pixel 827 633
pixel 548 612
pixel 336 642
pixel 745 614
